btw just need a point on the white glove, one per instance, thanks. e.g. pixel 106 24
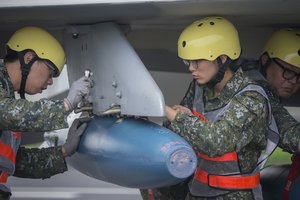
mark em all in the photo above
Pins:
pixel 79 89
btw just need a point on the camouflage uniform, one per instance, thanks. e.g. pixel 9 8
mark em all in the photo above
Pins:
pixel 243 128
pixel 288 127
pixel 39 163
pixel 22 115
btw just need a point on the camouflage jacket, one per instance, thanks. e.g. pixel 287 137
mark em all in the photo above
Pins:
pixel 39 163
pixel 242 128
pixel 22 115
pixel 288 127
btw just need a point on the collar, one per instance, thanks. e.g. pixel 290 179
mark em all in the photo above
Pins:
pixel 4 75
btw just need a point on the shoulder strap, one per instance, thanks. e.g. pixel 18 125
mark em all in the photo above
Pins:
pixel 273 133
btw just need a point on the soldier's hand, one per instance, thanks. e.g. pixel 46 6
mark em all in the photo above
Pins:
pixel 170 113
pixel 79 89
pixel 77 128
pixel 183 109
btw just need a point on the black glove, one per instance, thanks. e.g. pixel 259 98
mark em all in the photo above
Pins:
pixel 77 128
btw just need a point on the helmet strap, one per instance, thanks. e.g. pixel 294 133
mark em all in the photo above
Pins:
pixel 25 68
pixel 263 67
pixel 220 75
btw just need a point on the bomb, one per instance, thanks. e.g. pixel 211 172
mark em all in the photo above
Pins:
pixel 134 153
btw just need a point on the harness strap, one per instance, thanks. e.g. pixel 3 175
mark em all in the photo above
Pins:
pixel 228 182
pixel 292 176
pixel 150 194
pixel 232 156
pixel 7 152
pixel 199 115
pixel 3 177
pixel 16 134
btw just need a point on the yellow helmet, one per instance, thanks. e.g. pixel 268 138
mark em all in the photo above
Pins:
pixel 42 43
pixel 285 45
pixel 209 38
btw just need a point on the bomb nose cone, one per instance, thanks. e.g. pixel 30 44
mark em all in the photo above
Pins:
pixel 182 162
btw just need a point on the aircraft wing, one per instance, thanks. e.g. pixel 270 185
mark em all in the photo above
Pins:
pixel 148 31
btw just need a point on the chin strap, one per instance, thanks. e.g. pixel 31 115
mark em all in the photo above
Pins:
pixel 263 67
pixel 220 75
pixel 25 68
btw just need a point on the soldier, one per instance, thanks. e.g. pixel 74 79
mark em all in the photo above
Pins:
pixel 224 114
pixel 280 62
pixel 33 57
pixel 278 72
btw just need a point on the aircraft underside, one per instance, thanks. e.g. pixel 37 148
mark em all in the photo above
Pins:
pixel 124 43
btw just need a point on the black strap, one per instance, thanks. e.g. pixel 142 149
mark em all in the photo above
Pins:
pixel 263 67
pixel 25 71
pixel 220 75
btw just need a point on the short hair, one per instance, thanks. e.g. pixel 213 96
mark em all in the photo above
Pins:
pixel 11 56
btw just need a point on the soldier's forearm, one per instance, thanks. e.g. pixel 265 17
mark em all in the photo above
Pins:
pixel 39 163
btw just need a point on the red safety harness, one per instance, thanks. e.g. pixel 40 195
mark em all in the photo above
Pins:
pixel 293 174
pixel 228 182
pixel 199 115
pixel 9 153
pixel 150 194
pixel 220 181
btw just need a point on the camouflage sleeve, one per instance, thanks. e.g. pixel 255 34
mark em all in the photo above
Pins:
pixel 245 117
pixel 23 115
pixel 288 127
pixel 39 163
pixel 187 100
